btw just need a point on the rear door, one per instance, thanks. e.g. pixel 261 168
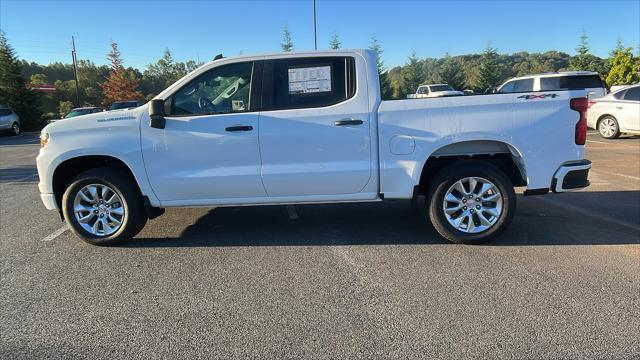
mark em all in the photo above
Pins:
pixel 629 109
pixel 314 126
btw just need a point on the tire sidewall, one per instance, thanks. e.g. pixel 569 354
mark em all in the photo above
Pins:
pixel 126 196
pixel 14 127
pixel 449 176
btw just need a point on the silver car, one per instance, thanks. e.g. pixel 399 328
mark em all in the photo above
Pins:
pixel 9 120
pixel 617 113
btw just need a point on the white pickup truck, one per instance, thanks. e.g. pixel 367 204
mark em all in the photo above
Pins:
pixel 310 128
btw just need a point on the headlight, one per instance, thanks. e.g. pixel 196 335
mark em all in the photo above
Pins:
pixel 44 139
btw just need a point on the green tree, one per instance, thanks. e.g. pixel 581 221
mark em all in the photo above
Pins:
pixel 64 107
pixel 487 73
pixel 451 72
pixel 38 79
pixel 335 42
pixel 625 68
pixel 583 60
pixel 385 85
pixel 287 42
pixel 13 90
pixel 411 75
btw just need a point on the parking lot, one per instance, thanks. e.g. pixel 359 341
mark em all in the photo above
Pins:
pixel 327 281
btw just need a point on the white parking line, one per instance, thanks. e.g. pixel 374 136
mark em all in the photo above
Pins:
pixel 55 234
pixel 616 174
pixel 598 142
pixel 293 214
pixel 19 180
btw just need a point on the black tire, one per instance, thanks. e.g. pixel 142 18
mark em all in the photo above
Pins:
pixel 459 170
pixel 134 218
pixel 614 122
pixel 15 129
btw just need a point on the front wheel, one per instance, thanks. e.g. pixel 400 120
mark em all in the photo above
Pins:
pixel 15 129
pixel 103 207
pixel 471 202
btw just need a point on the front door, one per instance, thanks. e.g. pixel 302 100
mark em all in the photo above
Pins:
pixel 209 148
pixel 315 127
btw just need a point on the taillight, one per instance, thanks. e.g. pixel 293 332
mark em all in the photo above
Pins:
pixel 580 105
pixel 591 103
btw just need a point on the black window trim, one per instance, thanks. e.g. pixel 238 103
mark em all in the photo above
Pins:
pixel 255 64
pixel 351 80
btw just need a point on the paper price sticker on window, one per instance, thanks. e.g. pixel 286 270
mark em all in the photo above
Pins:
pixel 308 80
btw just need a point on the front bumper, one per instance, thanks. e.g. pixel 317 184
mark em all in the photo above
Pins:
pixel 571 176
pixel 49 201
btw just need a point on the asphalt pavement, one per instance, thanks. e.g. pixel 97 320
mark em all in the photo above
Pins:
pixel 327 281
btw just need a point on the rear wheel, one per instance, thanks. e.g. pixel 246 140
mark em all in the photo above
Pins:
pixel 471 202
pixel 15 129
pixel 103 207
pixel 608 127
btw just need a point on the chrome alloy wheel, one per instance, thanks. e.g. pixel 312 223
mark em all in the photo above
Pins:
pixel 98 209
pixel 472 205
pixel 607 127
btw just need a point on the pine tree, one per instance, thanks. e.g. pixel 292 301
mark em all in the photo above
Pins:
pixel 585 61
pixel 451 72
pixel 13 91
pixel 385 84
pixel 121 84
pixel 287 42
pixel 488 71
pixel 411 75
pixel 335 42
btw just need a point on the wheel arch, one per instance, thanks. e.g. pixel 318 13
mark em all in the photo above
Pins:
pixel 501 154
pixel 602 117
pixel 70 168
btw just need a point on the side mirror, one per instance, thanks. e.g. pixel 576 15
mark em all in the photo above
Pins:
pixel 156 113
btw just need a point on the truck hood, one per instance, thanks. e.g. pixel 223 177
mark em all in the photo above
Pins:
pixel 97 121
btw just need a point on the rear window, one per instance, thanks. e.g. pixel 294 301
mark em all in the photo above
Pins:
pixel 577 82
pixel 5 112
pixel 441 88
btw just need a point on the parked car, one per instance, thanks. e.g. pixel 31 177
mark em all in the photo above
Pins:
pixel 314 131
pixel 617 113
pixel 569 80
pixel 78 112
pixel 434 90
pixel 9 121
pixel 125 104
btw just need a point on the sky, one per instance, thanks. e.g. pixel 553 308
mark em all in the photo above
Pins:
pixel 41 31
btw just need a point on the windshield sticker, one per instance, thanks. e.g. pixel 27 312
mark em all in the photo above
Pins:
pixel 306 80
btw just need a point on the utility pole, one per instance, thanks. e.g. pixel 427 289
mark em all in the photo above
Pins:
pixel 75 69
pixel 315 36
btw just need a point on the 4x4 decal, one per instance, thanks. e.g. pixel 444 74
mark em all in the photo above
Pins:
pixel 537 96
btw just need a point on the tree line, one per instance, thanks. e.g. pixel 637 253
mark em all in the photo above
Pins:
pixel 103 84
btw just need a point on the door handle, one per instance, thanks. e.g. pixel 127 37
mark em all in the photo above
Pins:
pixel 239 128
pixel 619 107
pixel 345 122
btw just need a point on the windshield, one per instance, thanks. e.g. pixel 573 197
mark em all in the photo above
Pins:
pixel 445 87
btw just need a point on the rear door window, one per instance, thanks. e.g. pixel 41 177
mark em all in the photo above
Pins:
pixel 297 83
pixel 633 94
pixel 5 112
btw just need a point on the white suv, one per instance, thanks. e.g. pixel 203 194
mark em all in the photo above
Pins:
pixel 569 80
